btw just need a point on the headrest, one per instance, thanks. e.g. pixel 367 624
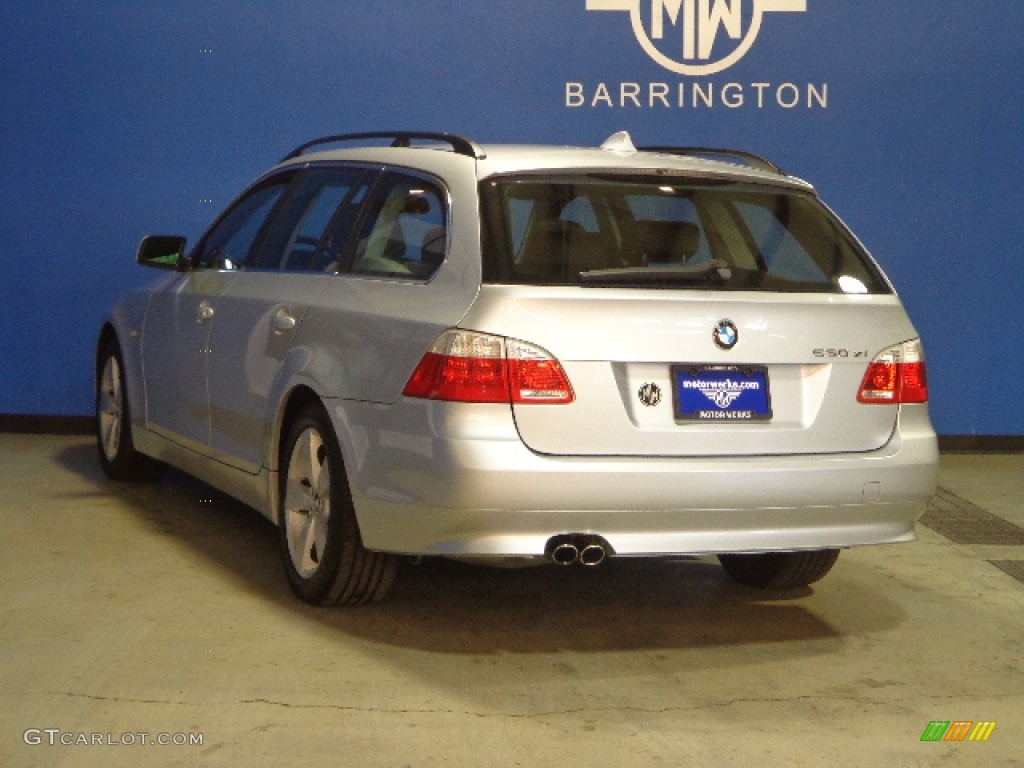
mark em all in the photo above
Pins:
pixel 669 242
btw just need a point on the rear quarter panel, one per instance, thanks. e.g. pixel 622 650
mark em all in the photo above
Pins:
pixel 364 336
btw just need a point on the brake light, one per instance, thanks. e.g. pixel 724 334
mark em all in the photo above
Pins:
pixel 896 375
pixel 469 367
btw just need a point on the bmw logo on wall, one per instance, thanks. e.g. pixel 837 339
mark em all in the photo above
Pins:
pixel 726 334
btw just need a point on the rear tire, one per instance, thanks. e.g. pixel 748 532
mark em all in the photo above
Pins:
pixel 780 570
pixel 324 557
pixel 118 457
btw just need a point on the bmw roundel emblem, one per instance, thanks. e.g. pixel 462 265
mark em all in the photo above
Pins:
pixel 726 334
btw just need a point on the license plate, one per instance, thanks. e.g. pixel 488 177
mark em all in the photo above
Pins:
pixel 721 393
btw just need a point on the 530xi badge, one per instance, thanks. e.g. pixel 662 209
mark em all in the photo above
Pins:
pixel 833 353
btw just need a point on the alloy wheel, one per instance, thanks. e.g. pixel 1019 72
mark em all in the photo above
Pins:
pixel 110 409
pixel 307 502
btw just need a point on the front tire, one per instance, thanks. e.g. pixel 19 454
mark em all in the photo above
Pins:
pixel 324 557
pixel 780 570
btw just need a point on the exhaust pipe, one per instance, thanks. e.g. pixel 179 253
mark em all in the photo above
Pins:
pixel 565 553
pixel 592 554
pixel 584 548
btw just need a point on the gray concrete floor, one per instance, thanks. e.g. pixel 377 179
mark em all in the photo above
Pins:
pixel 163 610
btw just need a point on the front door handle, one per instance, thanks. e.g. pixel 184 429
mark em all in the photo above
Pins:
pixel 205 312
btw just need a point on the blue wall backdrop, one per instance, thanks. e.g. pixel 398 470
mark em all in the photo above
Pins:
pixel 126 118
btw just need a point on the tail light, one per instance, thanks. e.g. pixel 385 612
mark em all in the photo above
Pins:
pixel 896 375
pixel 469 367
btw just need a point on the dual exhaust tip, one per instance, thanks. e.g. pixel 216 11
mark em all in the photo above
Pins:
pixel 583 548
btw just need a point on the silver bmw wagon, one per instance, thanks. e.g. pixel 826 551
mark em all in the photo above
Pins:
pixel 410 344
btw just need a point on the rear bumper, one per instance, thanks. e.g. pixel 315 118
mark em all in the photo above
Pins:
pixel 467 486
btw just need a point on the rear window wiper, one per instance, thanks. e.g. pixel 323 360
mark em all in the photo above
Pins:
pixel 713 271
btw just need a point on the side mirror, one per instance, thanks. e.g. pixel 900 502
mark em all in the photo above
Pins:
pixel 162 252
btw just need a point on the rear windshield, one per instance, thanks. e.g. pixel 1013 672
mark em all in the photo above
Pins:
pixel 661 232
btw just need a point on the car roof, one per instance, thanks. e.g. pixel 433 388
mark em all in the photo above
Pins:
pixel 615 155
pixel 506 159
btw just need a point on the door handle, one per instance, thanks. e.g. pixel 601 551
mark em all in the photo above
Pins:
pixel 283 322
pixel 204 312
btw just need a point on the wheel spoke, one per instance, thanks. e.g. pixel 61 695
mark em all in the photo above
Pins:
pixel 305 542
pixel 111 428
pixel 297 524
pixel 316 461
pixel 318 531
pixel 322 484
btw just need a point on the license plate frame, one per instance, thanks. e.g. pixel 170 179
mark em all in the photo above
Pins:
pixel 721 394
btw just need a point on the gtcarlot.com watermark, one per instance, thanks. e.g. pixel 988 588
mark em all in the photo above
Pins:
pixel 55 737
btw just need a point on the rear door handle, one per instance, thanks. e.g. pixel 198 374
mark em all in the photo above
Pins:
pixel 283 322
pixel 205 312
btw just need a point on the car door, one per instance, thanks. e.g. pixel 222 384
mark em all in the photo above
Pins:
pixel 176 335
pixel 260 312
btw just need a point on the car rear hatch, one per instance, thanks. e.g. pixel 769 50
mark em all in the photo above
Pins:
pixel 693 316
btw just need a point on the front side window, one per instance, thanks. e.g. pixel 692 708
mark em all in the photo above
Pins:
pixel 231 242
pixel 315 220
pixel 405 233
pixel 660 232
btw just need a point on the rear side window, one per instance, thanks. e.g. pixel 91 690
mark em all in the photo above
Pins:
pixel 658 232
pixel 404 234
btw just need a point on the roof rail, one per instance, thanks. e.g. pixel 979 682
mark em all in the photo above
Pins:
pixel 754 161
pixel 460 144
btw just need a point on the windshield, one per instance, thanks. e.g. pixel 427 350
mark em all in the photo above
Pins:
pixel 661 232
